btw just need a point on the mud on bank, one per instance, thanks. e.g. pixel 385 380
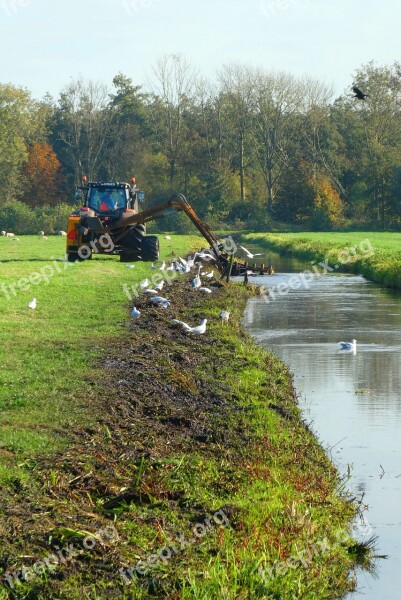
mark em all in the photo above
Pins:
pixel 199 479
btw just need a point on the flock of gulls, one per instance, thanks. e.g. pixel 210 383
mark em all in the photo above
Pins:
pixel 182 265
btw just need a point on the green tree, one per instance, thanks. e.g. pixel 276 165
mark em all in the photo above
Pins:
pixel 17 126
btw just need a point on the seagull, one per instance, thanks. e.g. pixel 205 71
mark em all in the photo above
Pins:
pixel 348 345
pixel 162 266
pixel 130 266
pixel 196 282
pixel 171 267
pixel 135 313
pixel 359 94
pixel 206 290
pixel 209 275
pixel 150 291
pixel 204 255
pixel 249 254
pixel 195 330
pixel 224 316
pixel 152 266
pixel 167 237
pixel 160 300
pixel 145 283
pixel 32 303
pixel 159 286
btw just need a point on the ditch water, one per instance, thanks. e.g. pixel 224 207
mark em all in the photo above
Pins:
pixel 353 401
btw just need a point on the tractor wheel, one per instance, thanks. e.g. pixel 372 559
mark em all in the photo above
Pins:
pixel 150 248
pixel 127 255
pixel 75 256
pixel 133 241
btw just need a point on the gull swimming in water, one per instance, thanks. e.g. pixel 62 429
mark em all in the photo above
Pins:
pixel 348 345
pixel 199 330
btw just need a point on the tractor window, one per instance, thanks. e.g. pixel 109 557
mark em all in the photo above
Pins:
pixel 107 199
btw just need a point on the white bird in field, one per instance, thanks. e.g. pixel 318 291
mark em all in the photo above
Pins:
pixel 224 316
pixel 152 266
pixel 150 291
pixel 249 254
pixel 205 290
pixel 209 275
pixel 196 282
pixel 195 330
pixel 32 303
pixel 171 267
pixel 130 266
pixel 145 283
pixel 135 313
pixel 159 286
pixel 167 237
pixel 160 300
pixel 348 345
pixel 162 266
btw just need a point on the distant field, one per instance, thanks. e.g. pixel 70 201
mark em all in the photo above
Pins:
pixel 375 255
pixel 45 354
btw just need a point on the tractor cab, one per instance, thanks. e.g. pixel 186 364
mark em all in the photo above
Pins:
pixel 107 200
pixel 110 201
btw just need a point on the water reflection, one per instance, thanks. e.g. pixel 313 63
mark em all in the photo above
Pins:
pixel 353 401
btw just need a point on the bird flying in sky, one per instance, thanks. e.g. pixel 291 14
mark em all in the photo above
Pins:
pixel 358 93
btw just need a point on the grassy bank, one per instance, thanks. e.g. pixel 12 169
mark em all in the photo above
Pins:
pixel 149 463
pixel 375 255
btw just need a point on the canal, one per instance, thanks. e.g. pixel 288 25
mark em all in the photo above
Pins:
pixel 352 401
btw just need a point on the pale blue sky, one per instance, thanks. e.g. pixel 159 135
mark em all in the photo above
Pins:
pixel 43 44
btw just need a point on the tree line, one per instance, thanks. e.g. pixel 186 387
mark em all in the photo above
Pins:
pixel 250 149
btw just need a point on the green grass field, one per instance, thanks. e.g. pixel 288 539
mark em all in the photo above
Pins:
pixel 377 255
pixel 46 353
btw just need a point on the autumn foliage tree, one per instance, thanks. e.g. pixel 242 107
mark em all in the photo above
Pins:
pixel 43 179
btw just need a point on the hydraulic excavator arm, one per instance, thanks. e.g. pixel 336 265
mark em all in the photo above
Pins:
pixel 178 203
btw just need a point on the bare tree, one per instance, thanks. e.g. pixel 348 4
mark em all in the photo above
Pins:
pixel 236 91
pixel 173 86
pixel 277 100
pixel 84 125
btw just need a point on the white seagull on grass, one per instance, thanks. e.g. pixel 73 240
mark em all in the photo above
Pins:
pixel 32 303
pixel 159 300
pixel 199 330
pixel 135 313
pixel 224 316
